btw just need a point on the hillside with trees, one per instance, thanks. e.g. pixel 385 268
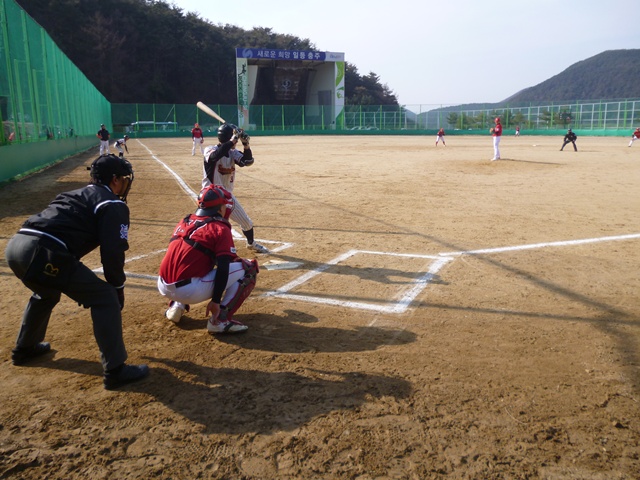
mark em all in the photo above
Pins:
pixel 610 75
pixel 146 51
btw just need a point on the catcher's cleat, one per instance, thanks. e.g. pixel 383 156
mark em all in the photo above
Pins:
pixel 21 355
pixel 175 311
pixel 124 374
pixel 230 326
pixel 258 248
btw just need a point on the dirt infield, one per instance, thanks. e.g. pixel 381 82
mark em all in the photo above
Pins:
pixel 451 317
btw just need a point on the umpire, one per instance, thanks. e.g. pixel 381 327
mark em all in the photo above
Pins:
pixel 45 254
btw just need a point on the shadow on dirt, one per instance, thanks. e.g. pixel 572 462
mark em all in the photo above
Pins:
pixel 292 333
pixel 237 401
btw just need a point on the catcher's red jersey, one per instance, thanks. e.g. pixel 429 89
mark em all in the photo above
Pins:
pixel 182 261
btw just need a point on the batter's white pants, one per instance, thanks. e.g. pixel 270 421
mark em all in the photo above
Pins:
pixel 104 147
pixel 196 141
pixel 201 289
pixel 496 150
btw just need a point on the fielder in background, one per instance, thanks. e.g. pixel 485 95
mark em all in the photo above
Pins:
pixel 198 139
pixel 517 130
pixel 103 135
pixel 635 136
pixel 440 136
pixel 45 254
pixel 570 137
pixel 496 133
pixel 121 143
pixel 201 264
pixel 220 167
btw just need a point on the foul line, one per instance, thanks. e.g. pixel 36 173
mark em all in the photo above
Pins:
pixel 542 245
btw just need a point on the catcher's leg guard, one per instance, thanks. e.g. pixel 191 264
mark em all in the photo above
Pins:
pixel 247 284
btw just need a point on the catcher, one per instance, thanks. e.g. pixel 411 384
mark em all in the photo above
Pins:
pixel 198 139
pixel 201 264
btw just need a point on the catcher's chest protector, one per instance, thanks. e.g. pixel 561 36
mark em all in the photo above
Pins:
pixel 187 227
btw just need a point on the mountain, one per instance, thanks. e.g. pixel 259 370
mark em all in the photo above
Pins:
pixel 610 75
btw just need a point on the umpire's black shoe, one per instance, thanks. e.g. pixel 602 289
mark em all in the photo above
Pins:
pixel 22 355
pixel 124 374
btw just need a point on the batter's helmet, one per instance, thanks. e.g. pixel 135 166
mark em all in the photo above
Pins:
pixel 106 167
pixel 225 132
pixel 211 198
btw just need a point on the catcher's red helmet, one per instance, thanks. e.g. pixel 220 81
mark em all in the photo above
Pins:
pixel 211 198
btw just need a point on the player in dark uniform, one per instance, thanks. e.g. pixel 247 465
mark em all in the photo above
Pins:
pixel 104 135
pixel 570 137
pixel 45 254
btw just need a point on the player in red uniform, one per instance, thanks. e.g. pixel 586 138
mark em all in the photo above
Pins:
pixel 440 136
pixel 198 139
pixel 201 264
pixel 497 135
pixel 635 136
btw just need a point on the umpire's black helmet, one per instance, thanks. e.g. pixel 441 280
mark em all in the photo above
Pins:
pixel 106 167
pixel 225 132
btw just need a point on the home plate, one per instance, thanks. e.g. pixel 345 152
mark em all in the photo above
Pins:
pixel 277 265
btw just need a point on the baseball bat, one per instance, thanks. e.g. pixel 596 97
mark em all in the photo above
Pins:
pixel 209 112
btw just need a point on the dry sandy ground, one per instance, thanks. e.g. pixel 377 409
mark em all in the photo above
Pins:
pixel 451 317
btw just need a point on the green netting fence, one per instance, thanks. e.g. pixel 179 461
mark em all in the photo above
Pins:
pixel 43 95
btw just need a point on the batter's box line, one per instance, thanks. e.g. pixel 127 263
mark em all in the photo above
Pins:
pixel 405 297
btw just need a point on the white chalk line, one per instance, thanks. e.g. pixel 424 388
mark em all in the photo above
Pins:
pixel 542 245
pixel 407 297
pixel 194 195
pixel 399 306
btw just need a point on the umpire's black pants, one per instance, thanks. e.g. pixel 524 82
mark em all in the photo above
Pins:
pixel 84 286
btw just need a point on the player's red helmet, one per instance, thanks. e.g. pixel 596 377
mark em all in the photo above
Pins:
pixel 497 120
pixel 211 198
pixel 196 125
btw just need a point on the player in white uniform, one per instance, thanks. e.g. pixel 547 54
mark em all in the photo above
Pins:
pixel 121 143
pixel 219 169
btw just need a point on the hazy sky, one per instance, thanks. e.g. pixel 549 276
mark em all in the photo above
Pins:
pixel 449 51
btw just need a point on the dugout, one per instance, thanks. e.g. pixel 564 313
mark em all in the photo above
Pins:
pixel 285 78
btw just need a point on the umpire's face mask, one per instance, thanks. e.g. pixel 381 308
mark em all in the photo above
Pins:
pixel 126 186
